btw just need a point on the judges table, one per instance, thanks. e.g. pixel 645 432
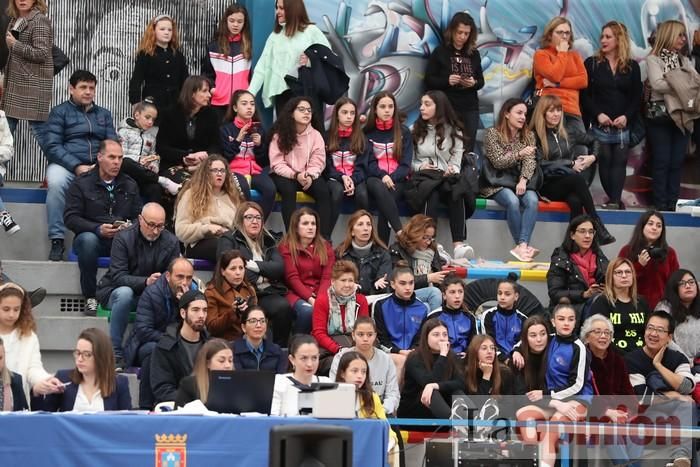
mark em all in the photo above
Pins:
pixel 138 439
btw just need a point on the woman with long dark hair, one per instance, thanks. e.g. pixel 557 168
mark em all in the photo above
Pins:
pixel 484 375
pixel 454 67
pixel 654 260
pixel 681 301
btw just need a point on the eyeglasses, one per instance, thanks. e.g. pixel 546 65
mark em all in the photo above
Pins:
pixel 306 110
pixel 252 217
pixel 688 283
pixel 585 231
pixel 601 332
pixel 86 354
pixel 623 272
pixel 428 239
pixel 217 171
pixel 563 33
pixel 153 225
pixel 256 321
pixel 654 329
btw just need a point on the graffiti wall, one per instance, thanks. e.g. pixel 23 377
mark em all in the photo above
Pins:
pixel 384 44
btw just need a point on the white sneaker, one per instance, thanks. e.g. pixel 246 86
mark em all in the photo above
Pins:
pixel 169 186
pixel 444 254
pixel 463 251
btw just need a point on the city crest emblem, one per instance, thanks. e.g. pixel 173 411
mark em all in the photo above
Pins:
pixel 171 450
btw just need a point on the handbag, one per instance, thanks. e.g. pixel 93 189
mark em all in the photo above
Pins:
pixel 60 60
pixel 656 112
pixel 508 178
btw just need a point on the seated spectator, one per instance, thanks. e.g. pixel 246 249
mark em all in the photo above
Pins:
pixel 297 160
pixel 511 176
pixel 139 255
pixel 484 375
pixel 7 149
pixel 22 353
pixel 141 161
pixel 654 259
pixel 504 322
pixel 98 205
pixel 242 141
pixel 432 375
pixel 303 358
pixel 206 208
pixel 399 318
pixel 253 351
pixel 92 386
pixel 308 262
pixel 173 357
pixel 73 135
pixel 346 158
pixel 577 270
pixel 215 355
pixel 363 247
pixel 566 175
pixel 416 245
pixel 264 267
pixel 335 312
pixel 460 322
pixel 622 305
pixel 228 294
pixel 528 365
pixel 382 370
pixel 188 132
pixel 682 303
pixel 12 398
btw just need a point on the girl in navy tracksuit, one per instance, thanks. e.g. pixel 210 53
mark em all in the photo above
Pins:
pixel 242 139
pixel 504 321
pixel 567 377
pixel 460 322
pixel 346 158
pixel 389 163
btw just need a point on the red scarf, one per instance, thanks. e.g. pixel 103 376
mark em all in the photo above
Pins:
pixel 344 132
pixel 384 125
pixel 234 38
pixel 239 122
pixel 587 264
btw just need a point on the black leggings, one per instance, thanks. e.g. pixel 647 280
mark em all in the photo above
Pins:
pixel 150 189
pixel 288 188
pixel 612 168
pixel 573 190
pixel 386 202
pixel 204 249
pixel 458 212
pixel 337 190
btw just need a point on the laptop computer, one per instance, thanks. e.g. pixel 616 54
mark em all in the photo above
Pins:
pixel 240 391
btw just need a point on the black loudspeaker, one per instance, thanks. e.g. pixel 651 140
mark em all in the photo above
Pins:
pixel 310 446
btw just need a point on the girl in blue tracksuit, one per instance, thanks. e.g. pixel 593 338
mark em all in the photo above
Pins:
pixel 504 321
pixel 460 322
pixel 567 377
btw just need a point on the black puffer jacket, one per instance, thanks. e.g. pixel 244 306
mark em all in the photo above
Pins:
pixel 399 253
pixel 565 279
pixel 560 159
pixel 272 265
pixel 371 267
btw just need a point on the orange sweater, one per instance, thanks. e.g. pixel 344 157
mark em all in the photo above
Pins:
pixel 565 68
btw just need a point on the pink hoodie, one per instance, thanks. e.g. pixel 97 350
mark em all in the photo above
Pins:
pixel 308 155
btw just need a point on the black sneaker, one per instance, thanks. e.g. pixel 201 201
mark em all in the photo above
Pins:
pixel 37 296
pixel 120 365
pixel 90 307
pixel 57 250
pixel 8 223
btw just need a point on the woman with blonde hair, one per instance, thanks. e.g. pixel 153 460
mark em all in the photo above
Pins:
pixel 610 103
pixel 215 355
pixel 206 208
pixel 563 172
pixel 622 305
pixel 559 71
pixel 668 141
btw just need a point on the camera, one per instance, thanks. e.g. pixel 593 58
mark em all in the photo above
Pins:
pixel 656 252
pixel 238 301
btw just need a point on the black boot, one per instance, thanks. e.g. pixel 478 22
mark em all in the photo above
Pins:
pixel 604 237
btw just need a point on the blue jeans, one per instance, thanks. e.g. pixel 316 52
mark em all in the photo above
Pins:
pixel 58 179
pixel 431 296
pixel 302 311
pixel 121 302
pixel 520 225
pixel 2 205
pixel 88 246
pixel 264 185
pixel 668 146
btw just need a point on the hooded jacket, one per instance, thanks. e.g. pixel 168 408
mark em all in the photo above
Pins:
pixel 398 322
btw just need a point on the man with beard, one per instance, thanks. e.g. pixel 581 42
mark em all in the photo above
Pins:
pixel 173 357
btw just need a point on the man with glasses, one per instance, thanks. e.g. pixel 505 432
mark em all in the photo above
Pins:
pixel 99 204
pixel 139 255
pixel 656 370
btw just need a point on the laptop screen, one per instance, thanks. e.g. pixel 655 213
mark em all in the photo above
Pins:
pixel 240 391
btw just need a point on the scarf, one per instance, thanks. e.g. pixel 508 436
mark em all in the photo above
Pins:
pixel 335 301
pixel 234 38
pixel 344 132
pixel 384 125
pixel 671 60
pixel 362 251
pixel 239 122
pixel 423 261
pixel 587 264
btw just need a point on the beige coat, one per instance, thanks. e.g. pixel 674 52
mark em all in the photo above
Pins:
pixel 683 104
pixel 222 211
